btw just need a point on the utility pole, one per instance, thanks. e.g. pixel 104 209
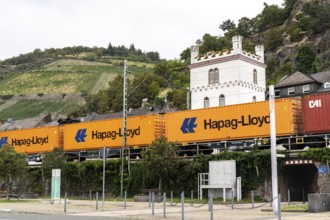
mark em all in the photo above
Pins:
pixel 273 148
pixel 124 128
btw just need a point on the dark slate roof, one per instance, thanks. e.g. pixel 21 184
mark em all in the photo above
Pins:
pixel 131 112
pixel 25 123
pixel 68 121
pixel 296 78
pixel 322 77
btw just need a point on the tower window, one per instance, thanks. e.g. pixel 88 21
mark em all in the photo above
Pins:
pixel 255 76
pixel 222 100
pixel 213 76
pixel 206 102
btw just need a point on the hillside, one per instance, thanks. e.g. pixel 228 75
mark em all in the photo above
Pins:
pixel 59 87
pixel 301 42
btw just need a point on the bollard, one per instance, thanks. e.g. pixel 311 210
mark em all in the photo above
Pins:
pixel 97 200
pixel 65 195
pixel 164 201
pixel 171 198
pixel 279 206
pixel 90 194
pixel 182 205
pixel 271 200
pixel 232 199
pixel 303 191
pixel 125 196
pixel 153 203
pixel 289 202
pixel 192 197
pixel 252 198
pixel 149 199
pixel 211 205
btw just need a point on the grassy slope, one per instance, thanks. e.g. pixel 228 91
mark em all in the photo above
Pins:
pixel 60 77
pixel 32 108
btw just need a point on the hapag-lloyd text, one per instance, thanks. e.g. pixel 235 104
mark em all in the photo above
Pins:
pixel 234 123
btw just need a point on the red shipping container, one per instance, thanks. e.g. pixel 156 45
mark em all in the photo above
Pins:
pixel 316 115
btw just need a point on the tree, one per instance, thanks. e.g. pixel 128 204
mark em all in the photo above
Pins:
pixel 227 25
pixel 185 55
pixel 53 160
pixel 271 16
pixel 161 160
pixel 245 27
pixel 13 167
pixel 305 59
pixel 273 39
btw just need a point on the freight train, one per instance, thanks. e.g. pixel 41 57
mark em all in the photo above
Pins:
pixel 300 122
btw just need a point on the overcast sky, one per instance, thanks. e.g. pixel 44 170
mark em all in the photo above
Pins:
pixel 166 26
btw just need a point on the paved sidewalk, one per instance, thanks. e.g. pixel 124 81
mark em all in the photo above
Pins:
pixel 141 210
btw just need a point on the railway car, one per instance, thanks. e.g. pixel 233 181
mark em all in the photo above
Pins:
pixel 233 122
pixel 316 119
pixel 34 140
pixel 88 136
pixel 300 122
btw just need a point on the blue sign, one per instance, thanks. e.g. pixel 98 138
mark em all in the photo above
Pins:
pixel 188 125
pixel 81 135
pixel 322 169
pixel 3 141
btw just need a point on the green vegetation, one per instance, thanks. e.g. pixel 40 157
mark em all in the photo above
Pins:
pixel 317 154
pixel 301 207
pixel 161 158
pixel 63 76
pixel 67 76
pixel 49 82
pixel 39 58
pixel 305 59
pixel 13 167
pixel 32 108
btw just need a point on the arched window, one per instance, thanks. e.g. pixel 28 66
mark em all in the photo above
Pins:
pixel 216 75
pixel 254 99
pixel 255 76
pixel 206 102
pixel 210 76
pixel 222 100
pixel 213 76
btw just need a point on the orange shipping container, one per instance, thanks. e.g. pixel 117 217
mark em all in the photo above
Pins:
pixel 34 140
pixel 141 130
pixel 233 122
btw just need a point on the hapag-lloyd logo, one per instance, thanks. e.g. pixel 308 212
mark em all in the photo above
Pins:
pixel 315 103
pixel 3 141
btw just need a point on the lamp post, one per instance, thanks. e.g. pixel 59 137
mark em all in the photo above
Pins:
pixel 273 148
pixel 124 128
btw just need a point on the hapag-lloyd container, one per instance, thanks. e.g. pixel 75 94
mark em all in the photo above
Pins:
pixel 34 140
pixel 316 115
pixel 141 131
pixel 232 122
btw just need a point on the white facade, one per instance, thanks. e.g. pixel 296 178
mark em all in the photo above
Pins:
pixel 227 78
